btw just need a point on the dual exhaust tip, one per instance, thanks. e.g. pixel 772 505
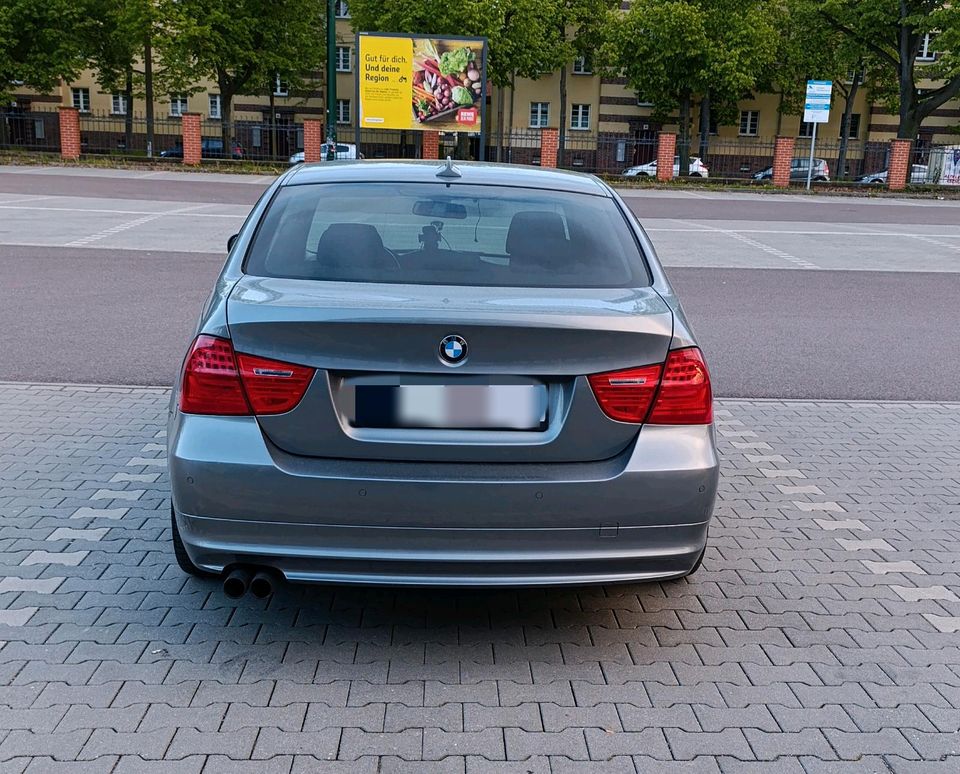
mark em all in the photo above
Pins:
pixel 260 583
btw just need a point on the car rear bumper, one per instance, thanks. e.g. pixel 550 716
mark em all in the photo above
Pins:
pixel 640 516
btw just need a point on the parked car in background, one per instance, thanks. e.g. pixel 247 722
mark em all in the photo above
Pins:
pixel 798 171
pixel 210 148
pixel 918 176
pixel 427 374
pixel 345 150
pixel 697 169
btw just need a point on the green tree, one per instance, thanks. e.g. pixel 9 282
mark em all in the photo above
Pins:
pixel 39 43
pixel 240 44
pixel 673 51
pixel 892 32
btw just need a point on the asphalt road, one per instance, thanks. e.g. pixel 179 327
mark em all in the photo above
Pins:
pixel 125 317
pixel 74 308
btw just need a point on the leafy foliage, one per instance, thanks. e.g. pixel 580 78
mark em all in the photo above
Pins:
pixel 39 43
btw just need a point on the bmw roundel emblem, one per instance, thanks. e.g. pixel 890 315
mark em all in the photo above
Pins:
pixel 453 350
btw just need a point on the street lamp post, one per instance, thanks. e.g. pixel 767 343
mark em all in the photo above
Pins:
pixel 331 79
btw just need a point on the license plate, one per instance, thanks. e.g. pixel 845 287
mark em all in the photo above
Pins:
pixel 452 406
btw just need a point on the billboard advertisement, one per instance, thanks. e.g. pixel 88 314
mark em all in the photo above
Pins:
pixel 421 83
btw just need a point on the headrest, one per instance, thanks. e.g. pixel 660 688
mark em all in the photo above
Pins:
pixel 353 246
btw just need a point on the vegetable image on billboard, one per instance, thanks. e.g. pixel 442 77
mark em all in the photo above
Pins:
pixel 409 82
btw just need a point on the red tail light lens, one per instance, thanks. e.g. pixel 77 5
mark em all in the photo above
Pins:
pixel 685 396
pixel 626 395
pixel 211 382
pixel 217 381
pixel 273 387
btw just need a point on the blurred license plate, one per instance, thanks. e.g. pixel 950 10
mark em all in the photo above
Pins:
pixel 461 406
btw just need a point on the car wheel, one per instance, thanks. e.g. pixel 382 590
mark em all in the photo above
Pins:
pixel 820 179
pixel 183 559
pixel 695 174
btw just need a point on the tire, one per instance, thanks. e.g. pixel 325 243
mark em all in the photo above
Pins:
pixel 183 559
pixel 821 179
pixel 695 174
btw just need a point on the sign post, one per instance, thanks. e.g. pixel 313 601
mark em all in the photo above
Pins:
pixel 422 83
pixel 816 110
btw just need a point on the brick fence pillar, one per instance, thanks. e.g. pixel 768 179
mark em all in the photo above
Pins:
pixel 69 133
pixel 431 145
pixel 898 171
pixel 666 150
pixel 190 127
pixel 549 146
pixel 312 139
pixel 782 159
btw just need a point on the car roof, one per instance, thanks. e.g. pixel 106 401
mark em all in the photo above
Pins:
pixel 424 171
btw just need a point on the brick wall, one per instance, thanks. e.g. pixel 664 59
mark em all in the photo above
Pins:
pixel 431 145
pixel 898 172
pixel 666 150
pixel 782 158
pixel 312 139
pixel 549 145
pixel 190 126
pixel 69 133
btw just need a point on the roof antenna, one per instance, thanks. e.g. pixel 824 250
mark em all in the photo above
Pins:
pixel 449 170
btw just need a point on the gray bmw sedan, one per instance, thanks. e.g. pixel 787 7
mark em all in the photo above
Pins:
pixel 421 373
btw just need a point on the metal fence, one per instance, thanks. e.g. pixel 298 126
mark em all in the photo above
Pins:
pixel 29 130
pixel 127 135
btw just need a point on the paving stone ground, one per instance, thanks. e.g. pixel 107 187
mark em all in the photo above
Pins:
pixel 821 635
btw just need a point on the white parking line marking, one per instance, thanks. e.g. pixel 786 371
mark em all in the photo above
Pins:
pixel 100 513
pixel 876 544
pixel 121 227
pixel 143 461
pixel 68 558
pixel 89 210
pixel 16 617
pixel 122 494
pixel 830 506
pixel 32 585
pixel 735 234
pixel 790 232
pixel 948 624
pixel 832 524
pixel 809 489
pixel 140 478
pixel 915 594
pixel 883 568
pixel 66 533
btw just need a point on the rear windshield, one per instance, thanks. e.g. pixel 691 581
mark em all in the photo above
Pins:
pixel 432 233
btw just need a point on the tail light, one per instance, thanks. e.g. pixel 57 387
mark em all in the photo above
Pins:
pixel 685 396
pixel 218 381
pixel 679 391
pixel 626 395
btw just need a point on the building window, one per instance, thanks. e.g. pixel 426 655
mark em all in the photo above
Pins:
pixel 806 129
pixel 749 123
pixel 580 117
pixel 582 66
pixel 642 101
pixel 343 59
pixel 714 125
pixel 342 10
pixel 81 99
pixel 215 105
pixel 853 130
pixel 280 87
pixel 926 52
pixel 343 111
pixel 39 129
pixel 539 114
pixel 178 104
pixel 118 104
pixel 256 136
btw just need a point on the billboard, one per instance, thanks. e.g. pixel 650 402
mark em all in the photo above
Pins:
pixel 421 83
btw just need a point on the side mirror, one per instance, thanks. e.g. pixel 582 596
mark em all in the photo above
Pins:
pixel 230 241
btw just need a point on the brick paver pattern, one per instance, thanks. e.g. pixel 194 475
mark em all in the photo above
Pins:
pixel 821 634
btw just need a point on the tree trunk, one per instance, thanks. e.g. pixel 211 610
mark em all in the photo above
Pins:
pixel 273 124
pixel 128 117
pixel 684 147
pixel 148 91
pixel 705 125
pixel 779 115
pixel 850 96
pixel 500 132
pixel 226 121
pixel 563 115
